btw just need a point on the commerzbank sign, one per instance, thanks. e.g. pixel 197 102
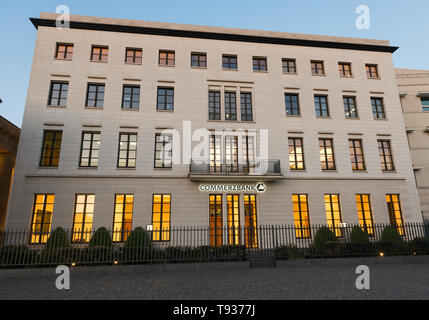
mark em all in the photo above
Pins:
pixel 259 187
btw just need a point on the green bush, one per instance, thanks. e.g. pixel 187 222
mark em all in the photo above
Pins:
pixel 101 238
pixel 390 235
pixel 323 237
pixel 57 240
pixel 138 239
pixel 358 235
pixel 391 243
pixel 419 246
pixel 288 253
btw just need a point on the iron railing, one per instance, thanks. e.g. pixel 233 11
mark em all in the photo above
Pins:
pixel 257 168
pixel 21 248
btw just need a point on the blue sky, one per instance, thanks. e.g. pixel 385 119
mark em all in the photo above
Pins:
pixel 404 23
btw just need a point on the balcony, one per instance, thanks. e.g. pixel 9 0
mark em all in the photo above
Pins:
pixel 261 170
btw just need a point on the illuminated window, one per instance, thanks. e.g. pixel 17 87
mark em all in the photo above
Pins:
pixel 83 217
pixel 215 220
pixel 386 158
pixel 90 149
pixel 51 148
pixel 233 206
pixel 317 68
pixel 372 71
pixel 165 99
pixel 161 214
pixel 95 95
pixel 363 202
pixel 198 60
pixel 131 97
pixel 321 105
pixel 127 150
pixel 378 108
pixel 289 65
pixel 123 217
pixel 259 64
pixel 327 158
pixel 395 213
pixel 350 107
pixel 345 69
pixel 333 213
pixel 301 216
pixel 58 94
pixel 215 153
pixel 356 155
pixel 246 106
pixel 230 106
pixel 163 150
pixel 167 58
pixel 292 104
pixel 133 56
pixel 250 220
pixel 64 51
pixel 99 54
pixel 229 62
pixel 42 217
pixel 296 154
pixel 214 105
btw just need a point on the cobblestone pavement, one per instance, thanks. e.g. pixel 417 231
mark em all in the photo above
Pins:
pixel 408 281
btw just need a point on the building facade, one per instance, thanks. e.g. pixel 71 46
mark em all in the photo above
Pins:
pixel 159 125
pixel 9 137
pixel 414 92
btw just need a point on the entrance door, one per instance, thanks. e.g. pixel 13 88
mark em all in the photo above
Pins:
pixel 215 220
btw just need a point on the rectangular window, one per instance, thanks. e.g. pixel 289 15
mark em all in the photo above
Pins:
pixel 395 213
pixel 165 101
pixel 123 217
pixel 233 207
pixel 42 218
pixel 64 51
pixel 229 62
pixel 167 58
pixel 58 93
pixel 99 53
pixel 214 105
pixel 327 158
pixel 231 153
pixel 356 155
pixel 248 152
pixel 292 104
pixel 350 107
pixel 372 71
pixel 333 213
pixel 345 69
pixel 250 220
pixel 83 217
pixel 163 150
pixel 386 158
pixel 199 60
pixel 289 65
pixel 301 216
pixel 296 154
pixel 131 97
pixel 51 148
pixel 425 104
pixel 215 213
pixel 378 108
pixel 364 209
pixel 317 68
pixel 321 105
pixel 230 106
pixel 215 154
pixel 161 215
pixel 89 150
pixel 260 64
pixel 95 95
pixel 246 106
pixel 133 55
pixel 127 150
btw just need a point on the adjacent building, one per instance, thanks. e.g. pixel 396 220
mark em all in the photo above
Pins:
pixel 134 123
pixel 414 92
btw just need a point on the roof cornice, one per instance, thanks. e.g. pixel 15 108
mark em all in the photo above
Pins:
pixel 38 22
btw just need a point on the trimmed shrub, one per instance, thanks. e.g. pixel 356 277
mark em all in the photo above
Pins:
pixel 138 239
pixel 57 240
pixel 391 243
pixel 57 248
pixel 358 235
pixel 101 238
pixel 323 237
pixel 390 234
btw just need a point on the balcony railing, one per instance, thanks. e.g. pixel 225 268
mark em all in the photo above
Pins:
pixel 254 168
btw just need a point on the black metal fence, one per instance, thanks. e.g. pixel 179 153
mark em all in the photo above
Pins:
pixel 19 248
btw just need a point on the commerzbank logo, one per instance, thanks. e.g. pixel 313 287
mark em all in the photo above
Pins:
pixel 259 187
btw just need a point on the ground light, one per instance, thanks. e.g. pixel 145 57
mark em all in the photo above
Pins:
pixel 116 262
pixel 381 254
pixel 73 264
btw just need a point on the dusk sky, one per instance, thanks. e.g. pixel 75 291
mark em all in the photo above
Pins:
pixel 404 23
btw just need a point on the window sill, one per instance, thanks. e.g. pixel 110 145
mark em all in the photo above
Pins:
pixel 166 111
pixel 292 170
pixel 126 168
pixel 166 65
pixel 291 73
pixel 394 171
pixel 94 108
pixel 201 68
pixel 318 75
pixel 96 61
pixel 231 121
pixel 48 167
pixel 327 170
pixel 57 59
pixel 373 78
pixel 129 109
pixel 360 171
pixel 385 119
pixel 225 69
pixel 163 169
pixel 133 63
pixel 87 168
pixel 323 117
pixel 56 107
pixel 293 116
pixel 260 71
pixel 352 118
pixel 347 77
